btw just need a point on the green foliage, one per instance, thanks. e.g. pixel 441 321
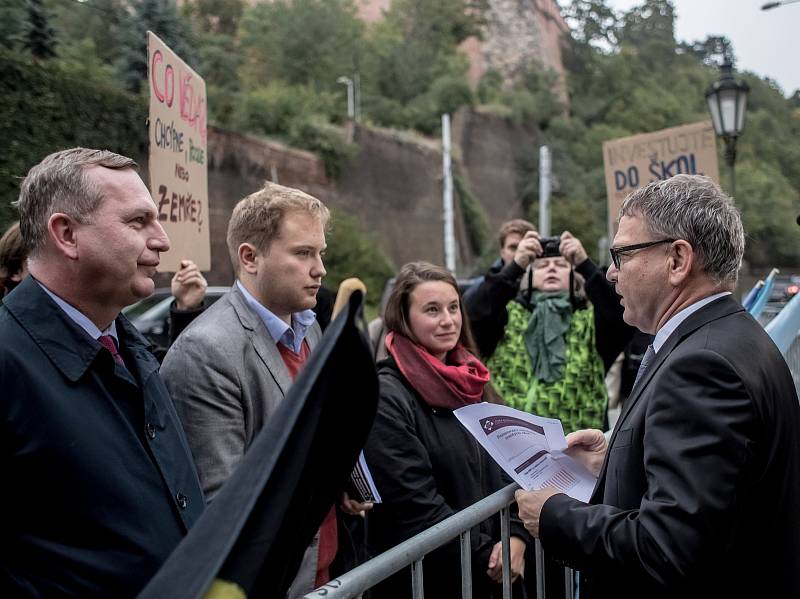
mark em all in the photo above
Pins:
pixel 47 108
pixel 300 42
pixel 160 17
pixel 40 37
pixel 352 252
pixel 475 218
pixel 272 109
pixel 326 141
pixel 412 71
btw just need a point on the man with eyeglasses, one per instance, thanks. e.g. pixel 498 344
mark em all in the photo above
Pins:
pixel 698 488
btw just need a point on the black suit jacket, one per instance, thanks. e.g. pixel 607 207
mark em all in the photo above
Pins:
pixel 699 494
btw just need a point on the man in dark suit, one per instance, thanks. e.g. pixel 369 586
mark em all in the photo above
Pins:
pixel 699 486
pixel 100 483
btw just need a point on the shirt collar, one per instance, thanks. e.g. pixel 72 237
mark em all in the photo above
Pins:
pixel 674 322
pixel 80 318
pixel 290 336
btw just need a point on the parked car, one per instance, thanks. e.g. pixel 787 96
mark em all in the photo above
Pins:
pixel 151 315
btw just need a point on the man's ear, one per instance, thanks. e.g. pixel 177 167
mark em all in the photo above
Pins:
pixel 247 258
pixel 62 230
pixel 681 260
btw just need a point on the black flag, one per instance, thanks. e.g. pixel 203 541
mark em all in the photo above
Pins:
pixel 251 538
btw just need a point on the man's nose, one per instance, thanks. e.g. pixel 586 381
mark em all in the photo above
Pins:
pixel 318 270
pixel 158 241
pixel 611 273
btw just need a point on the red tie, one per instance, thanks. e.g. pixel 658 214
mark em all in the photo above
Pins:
pixel 107 341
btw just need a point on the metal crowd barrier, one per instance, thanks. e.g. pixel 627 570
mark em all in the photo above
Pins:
pixel 411 553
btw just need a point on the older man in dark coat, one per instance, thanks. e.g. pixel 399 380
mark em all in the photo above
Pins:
pixel 100 483
pixel 698 489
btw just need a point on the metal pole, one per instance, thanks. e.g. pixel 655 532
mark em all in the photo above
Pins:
pixel 544 191
pixel 466 565
pixel 357 81
pixel 350 99
pixel 540 591
pixel 417 586
pixel 505 547
pixel 730 158
pixel 569 583
pixel 447 199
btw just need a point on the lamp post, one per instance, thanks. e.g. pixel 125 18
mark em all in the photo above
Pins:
pixel 727 102
pixel 351 110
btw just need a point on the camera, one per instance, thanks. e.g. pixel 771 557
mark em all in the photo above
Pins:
pixel 550 246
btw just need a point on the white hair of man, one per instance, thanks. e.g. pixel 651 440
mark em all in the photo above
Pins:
pixel 695 209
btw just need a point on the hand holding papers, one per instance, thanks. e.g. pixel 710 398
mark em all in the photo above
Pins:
pixel 529 448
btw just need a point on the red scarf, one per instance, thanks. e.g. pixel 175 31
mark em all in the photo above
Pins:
pixel 458 382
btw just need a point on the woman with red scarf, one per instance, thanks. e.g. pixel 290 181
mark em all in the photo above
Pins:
pixel 426 466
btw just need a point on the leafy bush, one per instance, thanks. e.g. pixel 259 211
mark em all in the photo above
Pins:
pixel 46 109
pixel 354 253
pixel 325 140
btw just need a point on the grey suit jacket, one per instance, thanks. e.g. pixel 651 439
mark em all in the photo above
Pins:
pixel 226 378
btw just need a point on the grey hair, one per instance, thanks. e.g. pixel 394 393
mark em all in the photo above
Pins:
pixel 59 183
pixel 695 209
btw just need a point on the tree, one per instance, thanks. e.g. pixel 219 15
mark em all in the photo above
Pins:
pixel 299 42
pixel 160 17
pixel 40 38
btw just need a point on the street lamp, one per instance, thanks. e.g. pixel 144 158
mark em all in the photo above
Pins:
pixel 727 102
pixel 351 105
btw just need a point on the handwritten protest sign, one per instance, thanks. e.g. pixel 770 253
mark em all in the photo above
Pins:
pixel 178 155
pixel 631 162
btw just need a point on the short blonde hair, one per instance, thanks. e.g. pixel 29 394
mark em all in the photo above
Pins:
pixel 257 218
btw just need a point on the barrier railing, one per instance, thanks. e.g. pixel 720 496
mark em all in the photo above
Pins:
pixel 411 553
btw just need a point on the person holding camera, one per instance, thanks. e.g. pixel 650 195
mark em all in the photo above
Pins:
pixel 550 325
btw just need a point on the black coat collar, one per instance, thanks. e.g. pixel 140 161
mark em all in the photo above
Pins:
pixel 67 345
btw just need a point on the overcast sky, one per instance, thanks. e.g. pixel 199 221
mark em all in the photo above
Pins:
pixel 764 42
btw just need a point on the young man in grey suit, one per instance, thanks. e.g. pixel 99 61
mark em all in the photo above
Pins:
pixel 699 485
pixel 230 369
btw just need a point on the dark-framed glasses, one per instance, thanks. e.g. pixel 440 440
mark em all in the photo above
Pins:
pixel 619 251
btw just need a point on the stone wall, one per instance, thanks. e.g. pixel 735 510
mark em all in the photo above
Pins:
pixel 490 148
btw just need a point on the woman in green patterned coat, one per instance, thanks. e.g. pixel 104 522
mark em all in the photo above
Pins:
pixel 550 336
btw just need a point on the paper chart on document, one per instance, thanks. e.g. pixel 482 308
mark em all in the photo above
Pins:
pixel 528 447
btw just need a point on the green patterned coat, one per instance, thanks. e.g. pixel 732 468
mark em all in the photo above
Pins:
pixel 578 399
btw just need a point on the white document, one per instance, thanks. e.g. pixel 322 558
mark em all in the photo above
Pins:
pixel 361 482
pixel 529 448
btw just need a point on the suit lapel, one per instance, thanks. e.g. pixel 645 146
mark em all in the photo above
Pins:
pixel 264 345
pixel 720 308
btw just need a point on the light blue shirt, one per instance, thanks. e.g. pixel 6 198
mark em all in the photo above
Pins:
pixel 676 319
pixel 290 336
pixel 80 318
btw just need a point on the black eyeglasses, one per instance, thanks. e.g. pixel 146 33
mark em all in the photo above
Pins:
pixel 618 252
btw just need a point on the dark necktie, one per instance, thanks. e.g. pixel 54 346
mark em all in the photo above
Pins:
pixel 646 359
pixel 107 341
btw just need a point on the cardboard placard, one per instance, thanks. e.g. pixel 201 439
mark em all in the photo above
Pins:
pixel 632 162
pixel 178 155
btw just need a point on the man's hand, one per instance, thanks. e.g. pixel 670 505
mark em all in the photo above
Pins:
pixel 355 508
pixel 572 249
pixel 588 446
pixel 528 248
pixel 530 507
pixel 495 570
pixel 188 286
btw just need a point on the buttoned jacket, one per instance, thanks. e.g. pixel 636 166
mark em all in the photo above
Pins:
pixel 699 490
pixel 100 483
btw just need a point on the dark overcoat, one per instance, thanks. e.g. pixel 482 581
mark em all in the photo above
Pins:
pixel 99 483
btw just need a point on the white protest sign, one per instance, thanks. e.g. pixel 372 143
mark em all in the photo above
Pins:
pixel 178 155
pixel 632 162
